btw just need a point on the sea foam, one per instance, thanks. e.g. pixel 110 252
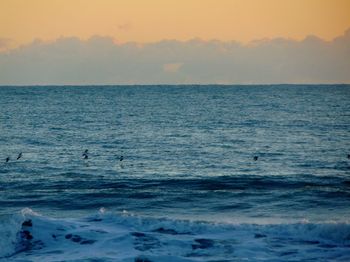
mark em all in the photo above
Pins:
pixel 109 236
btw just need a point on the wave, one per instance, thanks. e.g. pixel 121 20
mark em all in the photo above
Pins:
pixel 107 236
pixel 236 182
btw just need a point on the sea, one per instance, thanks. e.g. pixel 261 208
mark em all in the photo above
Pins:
pixel 175 173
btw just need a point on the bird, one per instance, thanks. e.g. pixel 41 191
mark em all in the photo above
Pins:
pixel 255 158
pixel 85 154
pixel 19 155
pixel 121 158
pixel 348 156
pixel 7 159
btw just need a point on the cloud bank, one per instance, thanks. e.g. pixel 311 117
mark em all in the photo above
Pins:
pixel 99 60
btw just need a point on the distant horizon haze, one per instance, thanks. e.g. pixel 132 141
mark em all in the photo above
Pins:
pixel 100 61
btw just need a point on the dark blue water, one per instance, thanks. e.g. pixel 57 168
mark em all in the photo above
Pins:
pixel 188 152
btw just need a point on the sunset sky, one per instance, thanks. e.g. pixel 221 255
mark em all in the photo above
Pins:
pixel 21 21
pixel 25 22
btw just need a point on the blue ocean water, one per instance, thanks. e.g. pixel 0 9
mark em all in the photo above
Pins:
pixel 188 187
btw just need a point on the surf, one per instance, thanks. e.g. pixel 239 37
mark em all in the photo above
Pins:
pixel 123 236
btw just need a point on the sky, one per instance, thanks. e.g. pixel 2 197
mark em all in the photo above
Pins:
pixel 174 41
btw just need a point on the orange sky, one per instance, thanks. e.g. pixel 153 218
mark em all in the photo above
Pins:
pixel 21 21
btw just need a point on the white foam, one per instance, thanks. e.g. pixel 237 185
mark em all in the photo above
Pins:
pixel 124 237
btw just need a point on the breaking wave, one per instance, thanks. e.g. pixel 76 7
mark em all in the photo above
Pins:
pixel 108 236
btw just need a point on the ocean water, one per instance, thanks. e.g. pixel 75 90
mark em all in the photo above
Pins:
pixel 188 187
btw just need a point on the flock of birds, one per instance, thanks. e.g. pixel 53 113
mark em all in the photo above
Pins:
pixel 18 157
pixel 85 156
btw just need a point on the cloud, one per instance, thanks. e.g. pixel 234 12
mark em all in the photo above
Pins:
pixel 99 60
pixel 172 67
pixel 125 27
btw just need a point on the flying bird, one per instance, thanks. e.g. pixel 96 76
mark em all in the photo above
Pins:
pixel 19 155
pixel 85 154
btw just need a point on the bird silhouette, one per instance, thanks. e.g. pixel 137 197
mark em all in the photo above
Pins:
pixel 19 155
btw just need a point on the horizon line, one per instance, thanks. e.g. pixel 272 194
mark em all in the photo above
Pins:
pixel 174 85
